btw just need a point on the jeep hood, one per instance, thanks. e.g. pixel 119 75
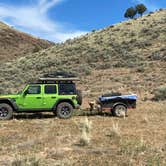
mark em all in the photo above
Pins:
pixel 9 96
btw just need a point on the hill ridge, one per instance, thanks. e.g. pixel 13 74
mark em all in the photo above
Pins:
pixel 15 43
pixel 126 57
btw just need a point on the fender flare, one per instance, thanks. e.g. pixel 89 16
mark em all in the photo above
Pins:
pixel 119 103
pixel 62 100
pixel 11 102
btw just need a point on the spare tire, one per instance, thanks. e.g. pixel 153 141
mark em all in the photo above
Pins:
pixel 79 97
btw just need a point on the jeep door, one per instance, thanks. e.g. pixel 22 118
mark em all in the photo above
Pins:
pixel 50 96
pixel 32 98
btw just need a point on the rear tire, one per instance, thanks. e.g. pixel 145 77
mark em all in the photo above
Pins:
pixel 6 111
pixel 64 110
pixel 120 110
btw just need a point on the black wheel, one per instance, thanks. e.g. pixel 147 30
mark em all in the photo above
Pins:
pixel 120 110
pixel 64 110
pixel 6 111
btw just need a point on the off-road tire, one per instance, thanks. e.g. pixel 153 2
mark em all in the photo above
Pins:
pixel 120 110
pixel 64 110
pixel 6 111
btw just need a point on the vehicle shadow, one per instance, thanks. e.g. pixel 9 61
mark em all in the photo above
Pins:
pixel 77 113
pixel 33 116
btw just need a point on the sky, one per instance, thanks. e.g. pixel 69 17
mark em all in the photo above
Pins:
pixel 59 20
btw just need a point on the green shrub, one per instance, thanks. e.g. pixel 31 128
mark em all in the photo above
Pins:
pixel 130 13
pixel 141 8
pixel 160 93
pixel 36 49
pixel 140 69
pixel 156 56
pixel 1 90
pixel 84 69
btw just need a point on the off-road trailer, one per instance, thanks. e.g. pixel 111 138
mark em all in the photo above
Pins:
pixel 117 104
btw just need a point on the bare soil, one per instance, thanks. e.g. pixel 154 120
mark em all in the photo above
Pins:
pixel 43 139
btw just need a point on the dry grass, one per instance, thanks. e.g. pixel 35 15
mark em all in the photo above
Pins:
pixel 46 140
pixel 29 161
pixel 85 127
pixel 115 130
pixel 145 119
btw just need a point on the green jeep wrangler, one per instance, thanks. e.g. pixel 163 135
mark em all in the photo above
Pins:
pixel 58 95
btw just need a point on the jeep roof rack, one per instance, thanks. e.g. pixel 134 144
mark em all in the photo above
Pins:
pixel 57 80
pixel 59 74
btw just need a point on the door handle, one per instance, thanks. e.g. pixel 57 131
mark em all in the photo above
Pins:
pixel 53 97
pixel 38 97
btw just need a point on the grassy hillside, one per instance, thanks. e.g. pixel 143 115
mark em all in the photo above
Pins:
pixel 127 57
pixel 16 44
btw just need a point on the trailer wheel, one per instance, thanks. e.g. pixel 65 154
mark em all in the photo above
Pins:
pixel 120 110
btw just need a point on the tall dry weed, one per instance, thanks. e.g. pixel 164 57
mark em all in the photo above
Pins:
pixel 85 128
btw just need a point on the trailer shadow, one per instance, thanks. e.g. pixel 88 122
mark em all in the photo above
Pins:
pixel 77 113
pixel 97 113
pixel 92 113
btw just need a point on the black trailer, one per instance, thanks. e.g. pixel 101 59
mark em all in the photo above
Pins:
pixel 117 104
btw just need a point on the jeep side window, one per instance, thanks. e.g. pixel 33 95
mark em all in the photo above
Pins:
pixel 34 90
pixel 67 89
pixel 50 89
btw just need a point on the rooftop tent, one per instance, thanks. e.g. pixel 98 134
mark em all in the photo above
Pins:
pixel 60 74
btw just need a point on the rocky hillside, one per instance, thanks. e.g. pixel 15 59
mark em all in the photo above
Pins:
pixel 126 57
pixel 14 43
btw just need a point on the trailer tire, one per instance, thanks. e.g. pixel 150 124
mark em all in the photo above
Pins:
pixel 120 110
